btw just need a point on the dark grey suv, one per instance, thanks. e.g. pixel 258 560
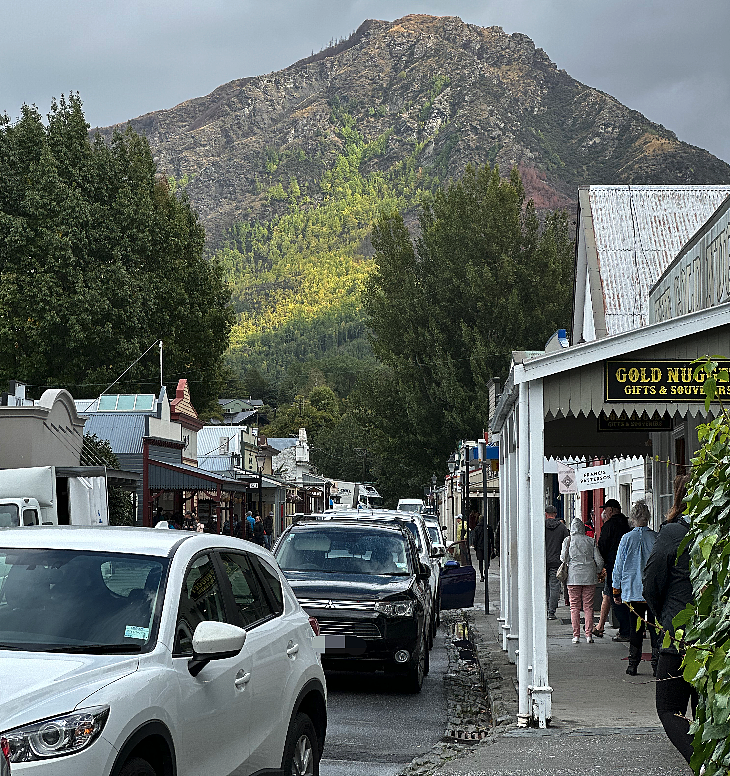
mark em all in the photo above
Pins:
pixel 367 588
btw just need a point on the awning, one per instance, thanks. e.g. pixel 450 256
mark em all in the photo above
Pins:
pixel 180 476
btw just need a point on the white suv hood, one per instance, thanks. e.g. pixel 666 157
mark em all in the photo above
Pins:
pixel 35 685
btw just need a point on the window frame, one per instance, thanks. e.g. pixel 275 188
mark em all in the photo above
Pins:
pixel 237 619
pixel 224 591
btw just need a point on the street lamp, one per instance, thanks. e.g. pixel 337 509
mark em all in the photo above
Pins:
pixel 452 464
pixel 260 459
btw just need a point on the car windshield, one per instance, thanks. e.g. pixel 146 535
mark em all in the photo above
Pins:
pixel 76 601
pixel 409 508
pixel 9 516
pixel 344 551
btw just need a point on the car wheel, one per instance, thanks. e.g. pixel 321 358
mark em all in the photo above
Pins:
pixel 301 754
pixel 137 767
pixel 417 670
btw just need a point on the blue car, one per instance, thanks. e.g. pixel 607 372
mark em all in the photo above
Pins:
pixel 458 577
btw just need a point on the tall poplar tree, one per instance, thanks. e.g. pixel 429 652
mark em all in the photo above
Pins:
pixel 446 310
pixel 98 258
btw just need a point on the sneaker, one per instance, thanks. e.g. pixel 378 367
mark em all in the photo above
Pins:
pixel 576 639
pixel 589 639
pixel 552 617
pixel 619 637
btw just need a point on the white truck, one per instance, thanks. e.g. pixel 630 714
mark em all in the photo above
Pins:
pixel 50 495
pixel 410 505
pixel 352 495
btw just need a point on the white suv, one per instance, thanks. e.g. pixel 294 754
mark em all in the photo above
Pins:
pixel 134 652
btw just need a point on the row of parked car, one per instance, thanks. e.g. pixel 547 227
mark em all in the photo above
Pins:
pixel 134 652
pixel 376 581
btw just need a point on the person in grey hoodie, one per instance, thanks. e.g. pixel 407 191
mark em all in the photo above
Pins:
pixel 633 552
pixel 584 565
pixel 555 535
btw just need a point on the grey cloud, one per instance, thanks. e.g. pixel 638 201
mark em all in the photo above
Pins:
pixel 666 59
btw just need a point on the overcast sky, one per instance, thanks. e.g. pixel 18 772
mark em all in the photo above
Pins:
pixel 666 58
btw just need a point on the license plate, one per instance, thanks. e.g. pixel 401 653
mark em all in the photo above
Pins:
pixel 340 645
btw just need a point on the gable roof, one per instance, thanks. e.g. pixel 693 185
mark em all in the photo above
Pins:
pixel 627 236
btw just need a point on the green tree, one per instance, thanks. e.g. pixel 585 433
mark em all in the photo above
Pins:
pixel 703 628
pixel 316 412
pixel 98 259
pixel 98 452
pixel 484 278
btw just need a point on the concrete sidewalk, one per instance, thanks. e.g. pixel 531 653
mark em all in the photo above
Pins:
pixel 604 722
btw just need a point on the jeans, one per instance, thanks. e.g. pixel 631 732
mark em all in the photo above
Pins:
pixel 620 610
pixel 553 591
pixel 673 694
pixel 636 637
pixel 581 595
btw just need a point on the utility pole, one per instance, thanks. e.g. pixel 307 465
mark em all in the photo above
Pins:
pixel 485 523
pixel 465 494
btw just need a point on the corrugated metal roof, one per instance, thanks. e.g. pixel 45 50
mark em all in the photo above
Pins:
pixel 180 476
pixel 124 431
pixel 638 232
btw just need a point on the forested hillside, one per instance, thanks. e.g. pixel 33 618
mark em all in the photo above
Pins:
pixel 288 170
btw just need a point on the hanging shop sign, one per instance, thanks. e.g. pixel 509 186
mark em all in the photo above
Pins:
pixel 634 422
pixel 658 381
pixel 572 480
pixel 567 479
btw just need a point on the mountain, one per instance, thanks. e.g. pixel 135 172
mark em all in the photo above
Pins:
pixel 287 170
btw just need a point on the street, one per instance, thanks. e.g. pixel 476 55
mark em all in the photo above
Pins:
pixel 374 728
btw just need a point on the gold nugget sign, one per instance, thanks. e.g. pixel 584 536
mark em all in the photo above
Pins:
pixel 659 381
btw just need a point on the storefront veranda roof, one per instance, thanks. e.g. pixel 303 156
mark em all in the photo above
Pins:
pixel 561 405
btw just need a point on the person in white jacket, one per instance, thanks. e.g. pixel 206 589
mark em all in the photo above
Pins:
pixel 585 563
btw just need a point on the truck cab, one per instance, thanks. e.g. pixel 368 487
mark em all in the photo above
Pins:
pixel 19 512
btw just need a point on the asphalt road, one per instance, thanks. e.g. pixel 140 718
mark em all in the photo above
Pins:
pixel 375 728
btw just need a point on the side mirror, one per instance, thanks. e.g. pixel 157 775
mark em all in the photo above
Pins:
pixel 214 641
pixel 424 571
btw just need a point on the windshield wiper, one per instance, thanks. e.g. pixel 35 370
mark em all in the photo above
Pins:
pixel 95 649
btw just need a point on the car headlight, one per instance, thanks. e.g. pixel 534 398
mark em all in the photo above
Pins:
pixel 58 736
pixel 395 608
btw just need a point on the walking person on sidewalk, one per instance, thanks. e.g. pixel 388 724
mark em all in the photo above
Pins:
pixel 615 525
pixel 555 534
pixel 633 552
pixel 667 590
pixel 477 540
pixel 584 565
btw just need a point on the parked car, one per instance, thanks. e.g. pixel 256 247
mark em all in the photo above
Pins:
pixel 135 652
pixel 428 556
pixel 436 534
pixel 458 577
pixel 365 584
pixel 4 757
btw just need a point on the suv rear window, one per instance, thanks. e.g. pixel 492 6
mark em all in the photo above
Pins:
pixel 337 550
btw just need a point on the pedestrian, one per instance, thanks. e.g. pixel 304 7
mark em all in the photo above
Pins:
pixel 199 526
pixel 667 590
pixel 615 525
pixel 633 552
pixel 555 534
pixel 258 531
pixel 250 520
pixel 478 544
pixel 269 528
pixel 584 565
